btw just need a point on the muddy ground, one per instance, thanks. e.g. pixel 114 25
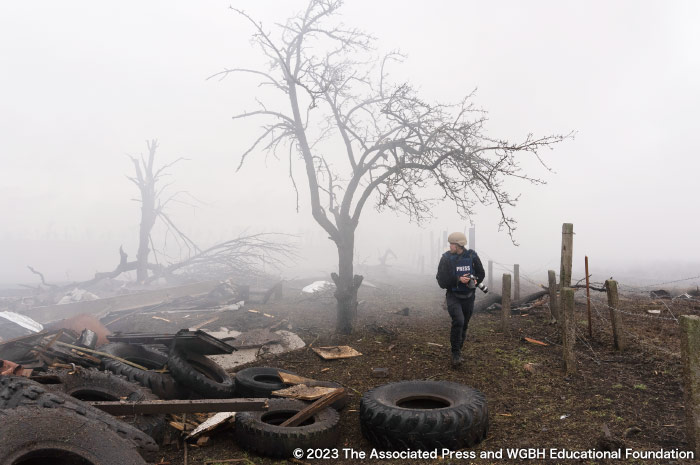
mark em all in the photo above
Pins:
pixel 532 404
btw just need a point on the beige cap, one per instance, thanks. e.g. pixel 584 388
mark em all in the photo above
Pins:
pixel 457 238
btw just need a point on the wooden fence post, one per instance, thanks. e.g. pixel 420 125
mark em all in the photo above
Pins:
pixel 505 304
pixel 690 360
pixel 567 248
pixel 615 318
pixel 490 274
pixel 516 282
pixel 569 329
pixel 553 300
pixel 588 302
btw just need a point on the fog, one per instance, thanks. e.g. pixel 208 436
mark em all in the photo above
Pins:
pixel 85 84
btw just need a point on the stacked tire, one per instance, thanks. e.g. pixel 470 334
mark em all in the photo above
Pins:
pixel 60 436
pixel 94 385
pixel 188 374
pixel 154 360
pixel 262 381
pixel 200 374
pixel 261 432
pixel 26 405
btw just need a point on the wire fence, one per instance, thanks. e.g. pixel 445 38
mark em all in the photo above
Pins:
pixel 650 316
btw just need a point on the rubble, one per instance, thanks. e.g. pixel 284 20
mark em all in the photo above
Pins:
pixel 189 358
pixel 318 286
pixel 14 325
pixel 289 341
pixel 77 295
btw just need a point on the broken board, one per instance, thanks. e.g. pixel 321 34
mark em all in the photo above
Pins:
pixel 291 378
pixel 304 392
pixel 336 352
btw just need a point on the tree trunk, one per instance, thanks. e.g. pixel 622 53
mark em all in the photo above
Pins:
pixel 148 219
pixel 346 284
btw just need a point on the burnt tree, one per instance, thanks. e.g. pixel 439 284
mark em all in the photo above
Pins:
pixel 147 178
pixel 393 147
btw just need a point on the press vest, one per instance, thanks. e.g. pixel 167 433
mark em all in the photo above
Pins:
pixel 461 265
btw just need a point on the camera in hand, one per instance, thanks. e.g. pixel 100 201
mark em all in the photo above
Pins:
pixel 472 284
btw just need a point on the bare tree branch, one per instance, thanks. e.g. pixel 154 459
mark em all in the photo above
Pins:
pixel 403 152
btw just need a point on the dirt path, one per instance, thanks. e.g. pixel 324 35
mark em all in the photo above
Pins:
pixel 532 405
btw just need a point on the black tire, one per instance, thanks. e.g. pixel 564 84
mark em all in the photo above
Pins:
pixel 259 431
pixel 16 392
pixel 202 375
pixel 60 437
pixel 161 384
pixel 424 415
pixel 261 381
pixel 93 385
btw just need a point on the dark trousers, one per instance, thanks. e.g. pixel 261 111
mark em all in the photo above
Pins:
pixel 461 311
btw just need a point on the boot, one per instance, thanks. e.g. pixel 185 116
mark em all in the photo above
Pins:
pixel 456 359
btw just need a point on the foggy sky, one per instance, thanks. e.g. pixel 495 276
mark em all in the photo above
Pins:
pixel 84 84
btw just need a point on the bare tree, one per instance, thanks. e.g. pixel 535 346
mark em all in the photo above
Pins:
pixel 147 178
pixel 397 147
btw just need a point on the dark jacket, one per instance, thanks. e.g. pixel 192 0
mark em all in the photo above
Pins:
pixel 446 277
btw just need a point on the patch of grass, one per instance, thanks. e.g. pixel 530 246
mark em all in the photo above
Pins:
pixel 598 413
pixel 641 387
pixel 617 386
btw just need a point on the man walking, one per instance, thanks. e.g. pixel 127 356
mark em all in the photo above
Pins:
pixel 459 272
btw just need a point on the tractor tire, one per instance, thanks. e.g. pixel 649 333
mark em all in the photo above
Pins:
pixel 261 381
pixel 93 385
pixel 199 373
pixel 60 437
pixel 161 384
pixel 16 391
pixel 424 415
pixel 260 431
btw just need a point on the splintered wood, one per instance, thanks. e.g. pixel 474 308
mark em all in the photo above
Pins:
pixel 212 423
pixel 289 378
pixel 311 410
pixel 336 352
pixel 304 392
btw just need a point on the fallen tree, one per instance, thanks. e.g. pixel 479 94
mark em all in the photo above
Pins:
pixel 481 305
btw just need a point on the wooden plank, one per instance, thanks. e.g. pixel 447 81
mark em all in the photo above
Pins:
pixel 182 406
pixel 304 392
pixel 309 411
